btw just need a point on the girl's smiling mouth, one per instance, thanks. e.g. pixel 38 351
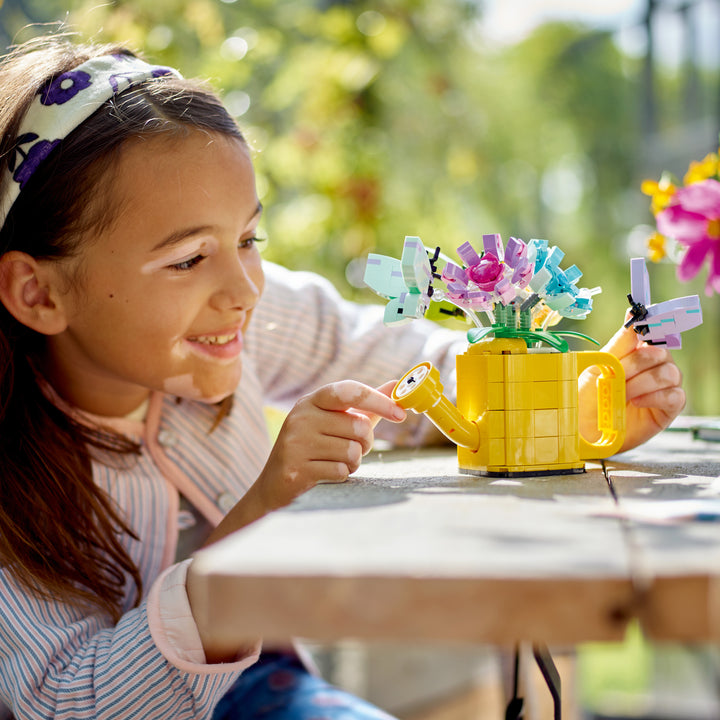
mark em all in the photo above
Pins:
pixel 222 346
pixel 214 339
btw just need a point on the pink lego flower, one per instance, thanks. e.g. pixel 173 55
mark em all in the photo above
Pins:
pixel 692 218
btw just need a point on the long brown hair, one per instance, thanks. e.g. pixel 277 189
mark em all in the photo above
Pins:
pixel 59 533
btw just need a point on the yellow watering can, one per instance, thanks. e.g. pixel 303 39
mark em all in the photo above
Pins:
pixel 517 408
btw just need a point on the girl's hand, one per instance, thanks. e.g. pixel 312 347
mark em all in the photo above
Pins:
pixel 653 389
pixel 323 438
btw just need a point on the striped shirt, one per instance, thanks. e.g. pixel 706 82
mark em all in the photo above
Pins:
pixel 57 661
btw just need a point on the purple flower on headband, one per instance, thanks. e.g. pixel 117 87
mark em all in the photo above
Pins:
pixel 64 87
pixel 130 77
pixel 30 159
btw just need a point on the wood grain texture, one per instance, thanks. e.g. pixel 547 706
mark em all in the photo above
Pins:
pixel 410 549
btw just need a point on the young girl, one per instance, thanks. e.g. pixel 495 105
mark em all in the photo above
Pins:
pixel 140 338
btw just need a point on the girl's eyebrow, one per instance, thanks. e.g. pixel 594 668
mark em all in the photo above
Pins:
pixel 177 237
pixel 180 235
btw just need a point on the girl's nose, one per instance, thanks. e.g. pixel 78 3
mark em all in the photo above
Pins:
pixel 240 287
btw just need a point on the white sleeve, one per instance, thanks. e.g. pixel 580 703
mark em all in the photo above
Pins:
pixel 173 627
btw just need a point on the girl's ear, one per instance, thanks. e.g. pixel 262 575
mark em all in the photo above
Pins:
pixel 29 291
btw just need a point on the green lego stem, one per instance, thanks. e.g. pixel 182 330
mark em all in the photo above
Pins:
pixel 554 339
pixel 574 333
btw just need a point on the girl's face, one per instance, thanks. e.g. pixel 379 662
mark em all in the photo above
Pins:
pixel 164 294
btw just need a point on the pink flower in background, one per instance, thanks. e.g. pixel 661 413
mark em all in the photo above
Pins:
pixel 692 218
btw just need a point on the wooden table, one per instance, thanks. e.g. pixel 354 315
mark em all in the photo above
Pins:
pixel 409 549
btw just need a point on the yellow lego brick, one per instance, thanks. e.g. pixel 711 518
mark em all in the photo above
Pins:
pixel 549 365
pixel 480 367
pixel 568 448
pixel 496 396
pixel 567 420
pixel 545 395
pixel 496 424
pixel 518 396
pixel 532 367
pixel 567 393
pixel 495 368
pixel 491 454
pixel 473 406
pixel 517 368
pixel 567 367
pixel 496 451
pixel 519 423
pixel 546 450
pixel 546 423
pixel 520 451
pixel 472 400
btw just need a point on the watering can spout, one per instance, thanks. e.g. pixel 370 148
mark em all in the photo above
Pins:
pixel 421 390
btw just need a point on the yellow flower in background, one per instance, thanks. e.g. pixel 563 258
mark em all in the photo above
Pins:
pixel 656 247
pixel 702 169
pixel 660 192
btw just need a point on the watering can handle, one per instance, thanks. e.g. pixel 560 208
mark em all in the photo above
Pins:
pixel 611 404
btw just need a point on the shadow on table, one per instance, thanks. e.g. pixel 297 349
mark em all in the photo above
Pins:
pixel 393 477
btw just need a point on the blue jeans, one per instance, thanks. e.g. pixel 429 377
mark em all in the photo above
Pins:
pixel 278 687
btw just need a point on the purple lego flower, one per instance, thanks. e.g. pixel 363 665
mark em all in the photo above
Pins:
pixel 64 87
pixel 486 273
pixel 692 218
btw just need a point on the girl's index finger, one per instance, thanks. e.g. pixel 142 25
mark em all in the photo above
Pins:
pixel 352 395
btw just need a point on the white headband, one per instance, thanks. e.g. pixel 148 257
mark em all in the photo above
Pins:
pixel 63 104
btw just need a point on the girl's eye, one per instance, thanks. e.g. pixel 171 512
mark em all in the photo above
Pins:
pixel 187 264
pixel 249 242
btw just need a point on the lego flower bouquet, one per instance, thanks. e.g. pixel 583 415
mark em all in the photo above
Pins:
pixel 516 291
pixel 689 214
pixel 517 382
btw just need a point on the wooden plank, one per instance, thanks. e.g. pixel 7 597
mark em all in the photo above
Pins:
pixel 494 611
pixel 677 564
pixel 682 609
pixel 409 549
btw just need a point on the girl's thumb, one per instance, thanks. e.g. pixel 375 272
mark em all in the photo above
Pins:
pixel 623 342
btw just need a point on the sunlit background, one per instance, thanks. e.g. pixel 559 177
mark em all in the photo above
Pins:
pixel 375 120
pixel 372 120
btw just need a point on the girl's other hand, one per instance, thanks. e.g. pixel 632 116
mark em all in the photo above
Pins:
pixel 653 389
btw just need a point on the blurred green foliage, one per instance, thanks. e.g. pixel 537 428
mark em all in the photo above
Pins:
pixel 375 120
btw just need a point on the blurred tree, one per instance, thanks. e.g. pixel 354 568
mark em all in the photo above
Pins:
pixel 373 120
